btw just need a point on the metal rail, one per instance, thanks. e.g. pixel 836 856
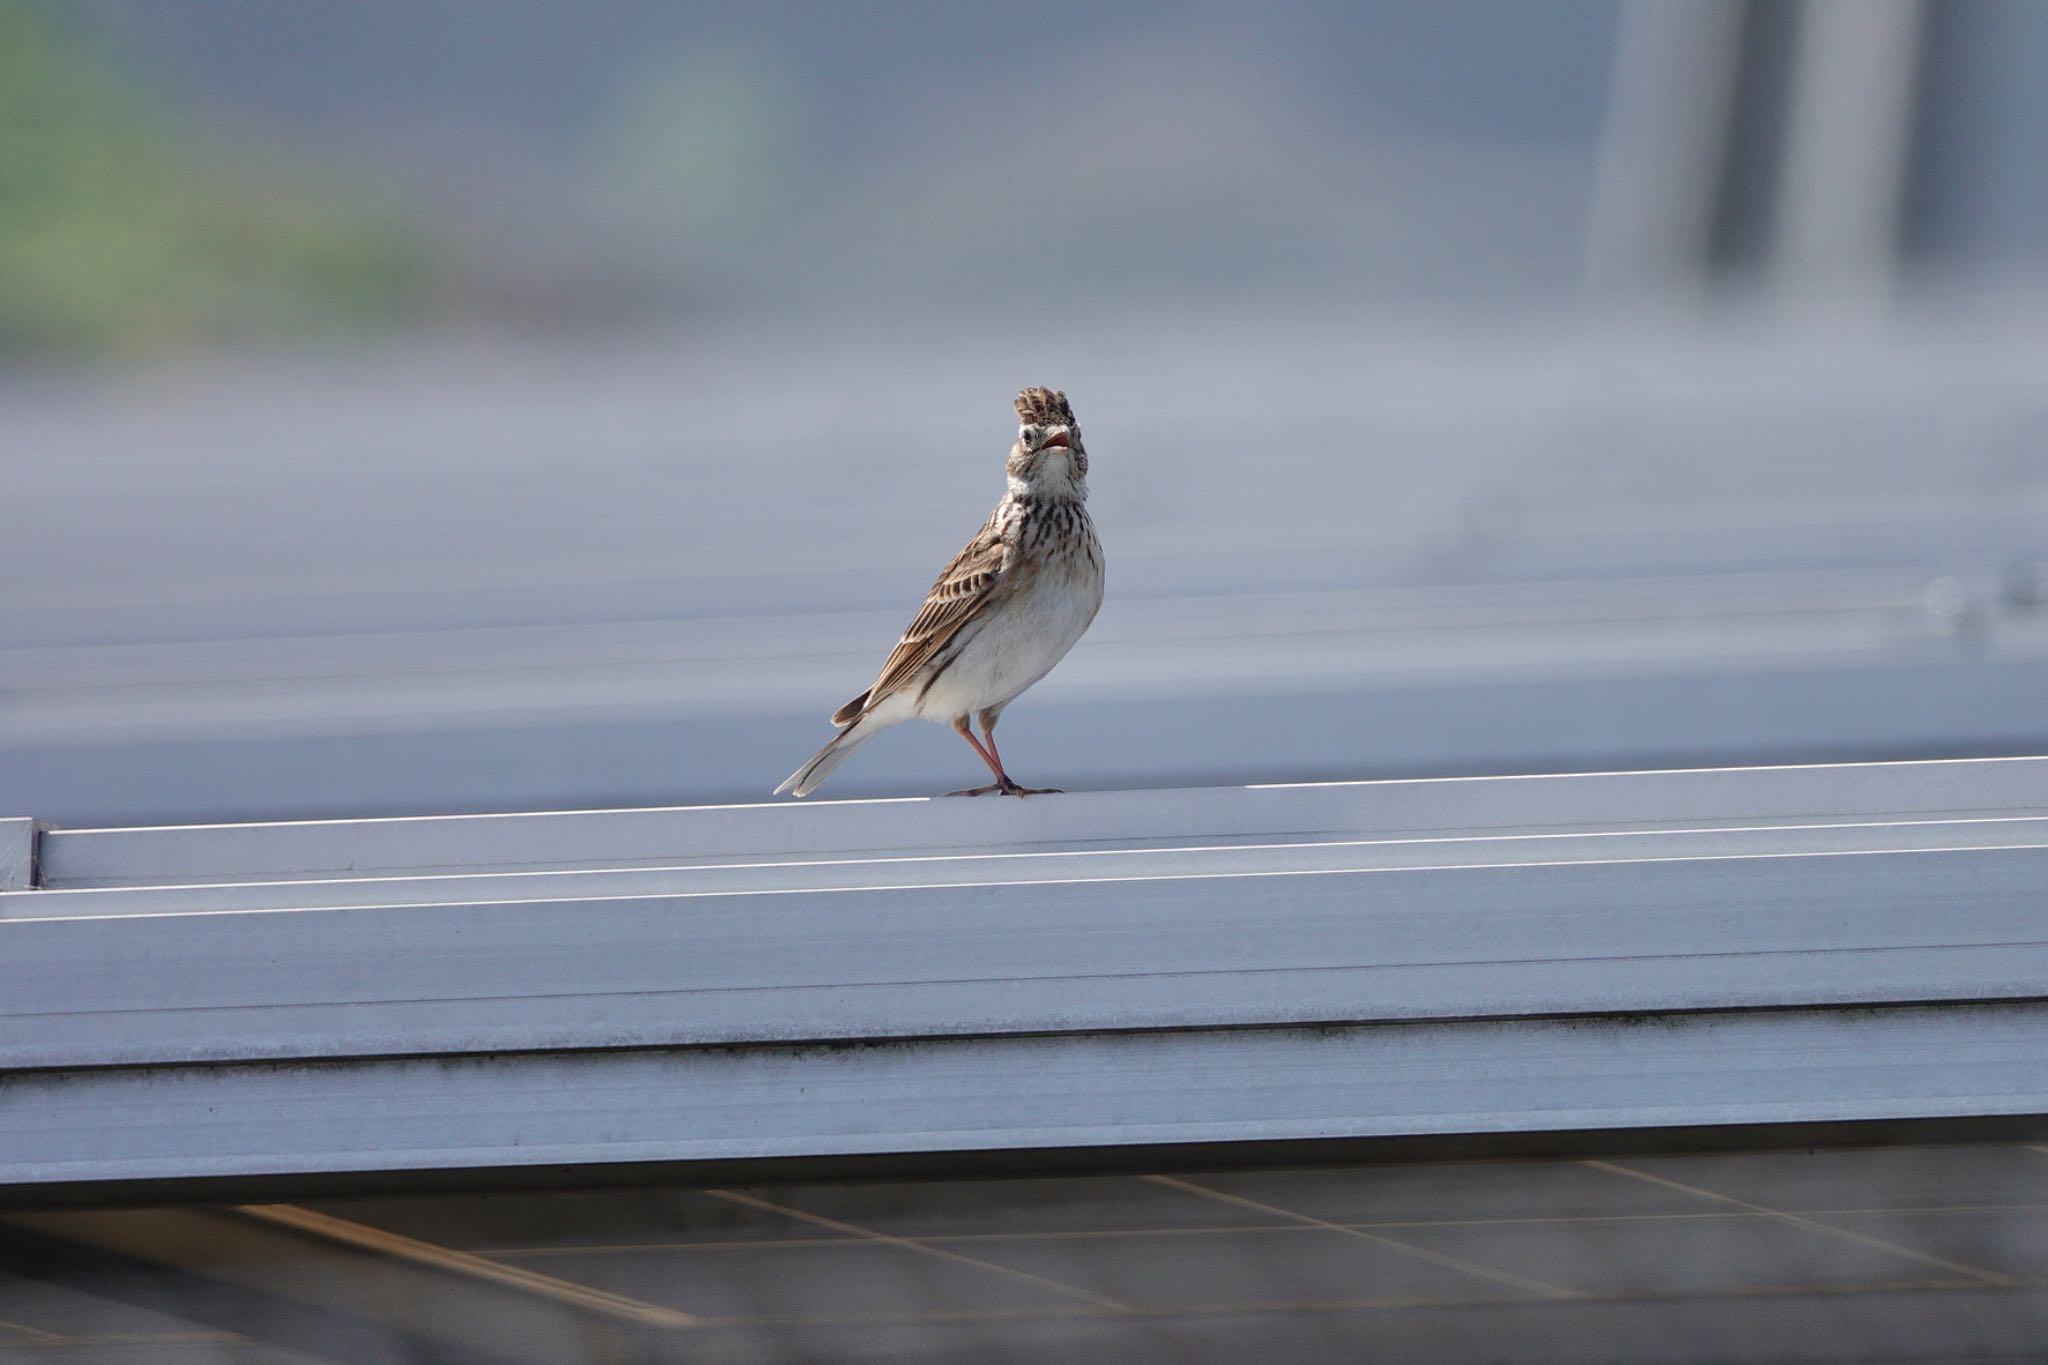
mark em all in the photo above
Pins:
pixel 784 984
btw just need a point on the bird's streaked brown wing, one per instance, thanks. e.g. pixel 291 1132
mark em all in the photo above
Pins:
pixel 961 589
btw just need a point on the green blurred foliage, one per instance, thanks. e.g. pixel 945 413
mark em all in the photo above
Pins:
pixel 123 230
pixel 701 142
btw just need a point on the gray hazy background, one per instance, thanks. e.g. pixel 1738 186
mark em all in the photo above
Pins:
pixel 464 406
pixel 660 160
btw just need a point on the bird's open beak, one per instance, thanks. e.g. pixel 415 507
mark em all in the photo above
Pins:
pixel 1058 438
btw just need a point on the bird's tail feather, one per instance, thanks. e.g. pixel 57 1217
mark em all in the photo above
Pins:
pixel 805 780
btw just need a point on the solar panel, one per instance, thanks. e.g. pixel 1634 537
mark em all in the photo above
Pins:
pixel 1882 1253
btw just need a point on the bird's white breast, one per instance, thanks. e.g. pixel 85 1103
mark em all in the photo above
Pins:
pixel 1012 648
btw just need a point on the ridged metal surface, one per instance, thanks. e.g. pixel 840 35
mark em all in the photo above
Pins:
pixel 846 980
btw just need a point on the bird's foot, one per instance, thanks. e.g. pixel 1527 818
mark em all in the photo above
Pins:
pixel 1007 788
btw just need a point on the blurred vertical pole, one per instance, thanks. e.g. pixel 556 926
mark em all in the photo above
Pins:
pixel 1761 142
pixel 1670 108
pixel 1848 137
pixel 1977 193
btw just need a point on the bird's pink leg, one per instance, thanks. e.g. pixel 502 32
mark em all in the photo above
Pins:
pixel 1002 782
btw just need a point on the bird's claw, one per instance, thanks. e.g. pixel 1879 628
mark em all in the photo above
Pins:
pixel 1007 788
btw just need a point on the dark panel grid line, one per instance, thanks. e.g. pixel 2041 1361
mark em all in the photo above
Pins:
pixel 36 1335
pixel 1976 1273
pixel 602 1249
pixel 1433 1257
pixel 1196 1311
pixel 916 1245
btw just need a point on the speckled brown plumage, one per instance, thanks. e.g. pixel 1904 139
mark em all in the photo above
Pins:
pixel 1044 407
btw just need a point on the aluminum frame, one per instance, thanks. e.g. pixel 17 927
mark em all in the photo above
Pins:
pixel 1416 960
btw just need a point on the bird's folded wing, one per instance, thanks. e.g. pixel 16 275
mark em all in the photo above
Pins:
pixel 961 591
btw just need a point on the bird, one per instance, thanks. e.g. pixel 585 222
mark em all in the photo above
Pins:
pixel 1008 608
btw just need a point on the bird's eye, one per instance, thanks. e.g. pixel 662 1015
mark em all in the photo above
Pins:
pixel 1028 435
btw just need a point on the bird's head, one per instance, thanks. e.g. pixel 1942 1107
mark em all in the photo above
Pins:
pixel 1048 458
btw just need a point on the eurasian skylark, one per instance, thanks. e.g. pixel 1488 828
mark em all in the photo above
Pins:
pixel 1002 614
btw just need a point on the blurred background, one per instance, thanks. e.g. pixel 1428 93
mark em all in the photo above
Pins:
pixel 476 406
pixel 472 405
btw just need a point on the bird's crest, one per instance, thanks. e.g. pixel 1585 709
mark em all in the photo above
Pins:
pixel 1044 407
